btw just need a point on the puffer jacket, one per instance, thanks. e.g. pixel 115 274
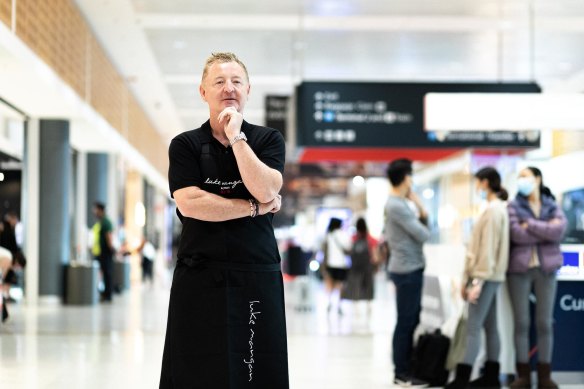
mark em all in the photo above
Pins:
pixel 540 234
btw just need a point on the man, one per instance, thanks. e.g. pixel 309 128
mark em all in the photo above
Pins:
pixel 103 249
pixel 226 324
pixel 406 231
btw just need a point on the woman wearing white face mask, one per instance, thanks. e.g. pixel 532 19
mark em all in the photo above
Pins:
pixel 537 226
pixel 484 271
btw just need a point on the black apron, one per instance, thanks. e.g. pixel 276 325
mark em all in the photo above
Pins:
pixel 226 323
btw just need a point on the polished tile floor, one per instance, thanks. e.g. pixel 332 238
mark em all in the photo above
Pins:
pixel 120 345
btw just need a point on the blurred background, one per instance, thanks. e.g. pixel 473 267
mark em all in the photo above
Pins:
pixel 92 92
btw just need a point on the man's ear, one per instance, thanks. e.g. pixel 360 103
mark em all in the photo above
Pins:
pixel 202 92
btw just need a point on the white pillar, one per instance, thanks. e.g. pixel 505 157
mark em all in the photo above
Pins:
pixel 81 244
pixel 30 208
pixel 113 200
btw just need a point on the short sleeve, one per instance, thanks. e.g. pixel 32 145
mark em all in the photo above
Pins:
pixel 183 170
pixel 106 226
pixel 273 151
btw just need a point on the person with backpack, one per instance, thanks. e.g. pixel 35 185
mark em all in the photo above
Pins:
pixel 359 285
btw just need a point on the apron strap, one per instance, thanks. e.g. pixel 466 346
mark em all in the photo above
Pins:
pixel 248 267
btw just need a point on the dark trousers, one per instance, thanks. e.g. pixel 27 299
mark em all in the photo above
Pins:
pixel 147 269
pixel 408 291
pixel 106 264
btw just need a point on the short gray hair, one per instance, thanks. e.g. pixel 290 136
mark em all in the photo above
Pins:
pixel 223 57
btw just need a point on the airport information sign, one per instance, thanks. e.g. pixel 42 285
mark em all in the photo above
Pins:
pixel 361 114
pixel 277 112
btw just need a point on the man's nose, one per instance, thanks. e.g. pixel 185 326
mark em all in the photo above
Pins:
pixel 229 87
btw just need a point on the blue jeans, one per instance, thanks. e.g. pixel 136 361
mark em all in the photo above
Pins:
pixel 408 291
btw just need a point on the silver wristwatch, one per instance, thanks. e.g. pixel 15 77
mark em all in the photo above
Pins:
pixel 238 137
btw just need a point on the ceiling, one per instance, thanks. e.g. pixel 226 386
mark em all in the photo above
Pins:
pixel 160 46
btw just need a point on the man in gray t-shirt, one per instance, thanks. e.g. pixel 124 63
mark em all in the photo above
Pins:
pixel 406 231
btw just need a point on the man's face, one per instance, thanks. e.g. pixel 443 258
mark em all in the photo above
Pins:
pixel 408 183
pixel 97 212
pixel 225 86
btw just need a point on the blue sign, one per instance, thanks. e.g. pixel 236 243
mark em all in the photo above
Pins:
pixel 569 327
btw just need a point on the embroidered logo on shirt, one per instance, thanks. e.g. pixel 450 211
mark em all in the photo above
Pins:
pixel 225 186
pixel 253 316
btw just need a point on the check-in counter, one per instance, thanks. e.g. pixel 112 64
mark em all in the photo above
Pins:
pixel 569 313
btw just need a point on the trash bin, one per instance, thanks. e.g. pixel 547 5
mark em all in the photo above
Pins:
pixel 81 284
pixel 121 276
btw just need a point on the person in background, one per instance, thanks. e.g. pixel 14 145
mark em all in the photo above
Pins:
pixel 337 246
pixel 359 286
pixel 8 233
pixel 5 264
pixel 11 275
pixel 405 232
pixel 537 227
pixel 103 249
pixel 148 253
pixel 486 262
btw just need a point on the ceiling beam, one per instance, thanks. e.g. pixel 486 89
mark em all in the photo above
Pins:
pixel 283 22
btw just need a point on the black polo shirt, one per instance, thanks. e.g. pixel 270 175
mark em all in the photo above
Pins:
pixel 198 159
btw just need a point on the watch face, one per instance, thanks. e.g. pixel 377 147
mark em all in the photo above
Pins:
pixel 240 136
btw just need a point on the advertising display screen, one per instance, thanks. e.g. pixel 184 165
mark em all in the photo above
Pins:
pixel 573 207
pixel 361 114
pixel 573 268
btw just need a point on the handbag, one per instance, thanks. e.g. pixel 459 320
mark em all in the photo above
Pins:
pixel 458 343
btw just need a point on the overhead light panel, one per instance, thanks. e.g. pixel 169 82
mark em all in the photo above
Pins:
pixel 503 111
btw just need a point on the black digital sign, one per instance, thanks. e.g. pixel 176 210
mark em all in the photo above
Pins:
pixel 277 112
pixel 362 114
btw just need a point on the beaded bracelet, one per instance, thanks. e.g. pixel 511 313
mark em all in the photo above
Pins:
pixel 252 208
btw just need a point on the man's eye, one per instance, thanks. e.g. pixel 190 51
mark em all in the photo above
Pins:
pixel 218 82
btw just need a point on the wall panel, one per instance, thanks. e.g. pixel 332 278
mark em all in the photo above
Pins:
pixel 57 32
pixel 6 12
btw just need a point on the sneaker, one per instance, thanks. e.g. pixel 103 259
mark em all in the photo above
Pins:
pixel 409 382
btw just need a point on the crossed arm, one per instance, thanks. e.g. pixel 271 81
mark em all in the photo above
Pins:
pixel 261 181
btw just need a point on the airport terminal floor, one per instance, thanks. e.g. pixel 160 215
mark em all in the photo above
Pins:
pixel 119 345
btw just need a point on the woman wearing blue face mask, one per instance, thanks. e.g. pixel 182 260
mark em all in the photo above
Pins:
pixel 537 227
pixel 486 262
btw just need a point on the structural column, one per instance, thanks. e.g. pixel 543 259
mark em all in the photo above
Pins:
pixel 81 205
pixel 54 220
pixel 30 208
pixel 97 183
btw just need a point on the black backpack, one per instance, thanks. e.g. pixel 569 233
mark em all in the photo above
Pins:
pixel 360 256
pixel 429 358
